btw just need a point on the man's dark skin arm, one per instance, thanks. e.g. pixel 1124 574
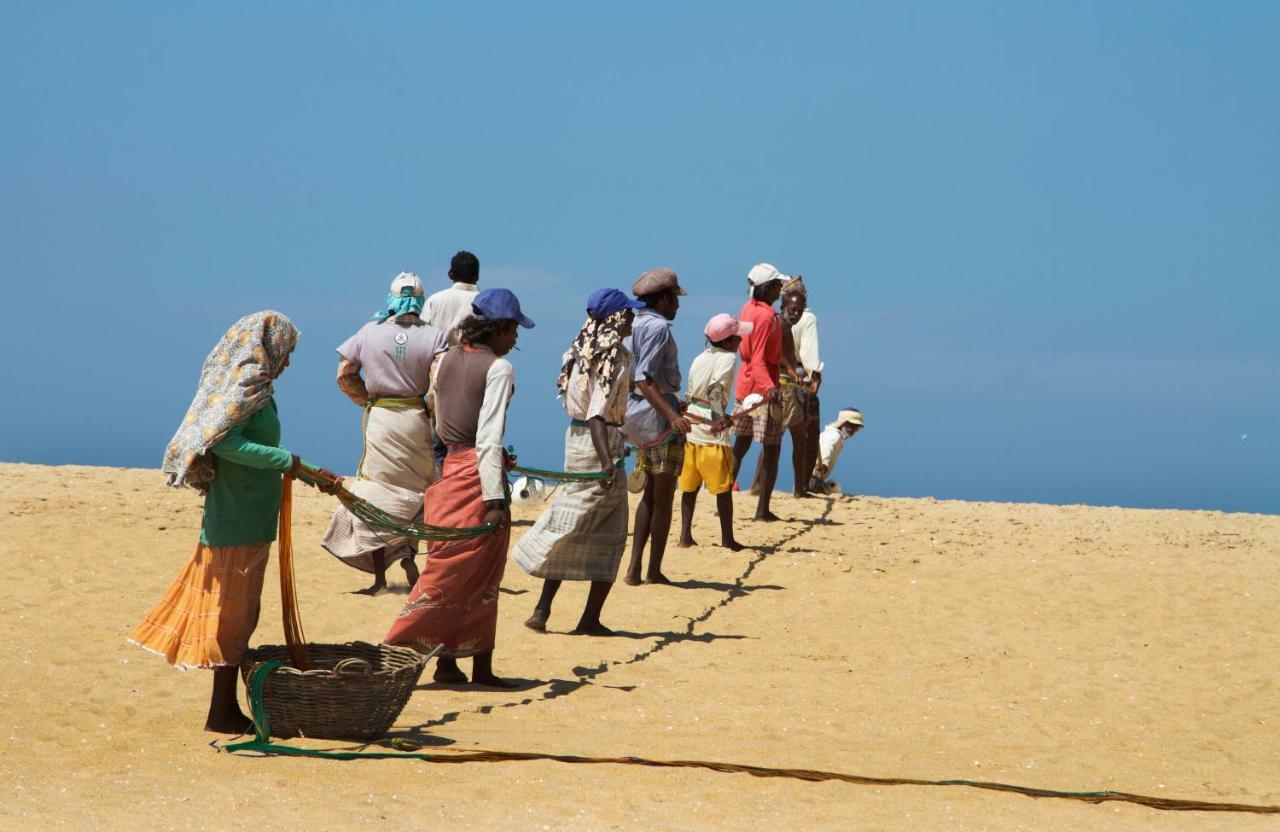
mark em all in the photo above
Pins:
pixel 600 439
pixel 788 359
pixel 649 389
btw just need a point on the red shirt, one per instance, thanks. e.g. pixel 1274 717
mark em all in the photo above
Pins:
pixel 761 351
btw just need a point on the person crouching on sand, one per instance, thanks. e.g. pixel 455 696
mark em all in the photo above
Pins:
pixel 708 456
pixel 385 368
pixel 227 448
pixel 830 444
pixel 454 604
pixel 583 533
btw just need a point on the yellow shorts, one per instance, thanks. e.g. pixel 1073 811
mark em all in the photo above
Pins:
pixel 710 464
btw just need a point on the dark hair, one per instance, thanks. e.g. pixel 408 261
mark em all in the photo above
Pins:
pixel 653 299
pixel 475 330
pixel 721 343
pixel 759 292
pixel 464 267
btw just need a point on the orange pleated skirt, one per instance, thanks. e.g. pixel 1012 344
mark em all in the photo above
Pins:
pixel 206 617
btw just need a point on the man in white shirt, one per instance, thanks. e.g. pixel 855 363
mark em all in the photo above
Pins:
pixel 447 308
pixel 830 444
pixel 804 332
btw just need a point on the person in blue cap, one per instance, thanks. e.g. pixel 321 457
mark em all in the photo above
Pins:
pixel 454 604
pixel 583 533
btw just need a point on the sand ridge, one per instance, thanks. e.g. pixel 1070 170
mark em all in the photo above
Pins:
pixel 1061 647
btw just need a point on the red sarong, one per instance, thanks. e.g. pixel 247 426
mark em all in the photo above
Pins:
pixel 454 604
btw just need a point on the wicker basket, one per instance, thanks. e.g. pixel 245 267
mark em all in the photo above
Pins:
pixel 355 692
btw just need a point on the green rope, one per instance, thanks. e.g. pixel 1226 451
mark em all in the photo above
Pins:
pixel 559 476
pixel 379 519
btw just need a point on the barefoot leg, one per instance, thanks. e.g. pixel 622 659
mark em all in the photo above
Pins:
pixel 379 574
pixel 542 610
pixel 225 716
pixel 664 488
pixel 410 570
pixel 724 505
pixel 741 444
pixel 482 672
pixel 448 672
pixel 589 624
pixel 770 456
pixel 640 534
pixel 799 452
pixel 688 500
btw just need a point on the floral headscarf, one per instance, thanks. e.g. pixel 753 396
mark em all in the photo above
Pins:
pixel 595 352
pixel 235 383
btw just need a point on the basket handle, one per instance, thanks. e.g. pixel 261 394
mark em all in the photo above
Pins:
pixel 353 667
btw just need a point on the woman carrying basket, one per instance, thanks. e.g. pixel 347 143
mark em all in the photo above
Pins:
pixel 227 448
pixel 454 604
pixel 582 535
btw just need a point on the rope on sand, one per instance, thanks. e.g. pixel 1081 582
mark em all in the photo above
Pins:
pixel 261 743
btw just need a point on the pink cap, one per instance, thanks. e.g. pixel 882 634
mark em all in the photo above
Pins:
pixel 724 326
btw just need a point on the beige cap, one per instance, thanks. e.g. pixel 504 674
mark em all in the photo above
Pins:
pixel 852 416
pixel 406 280
pixel 656 280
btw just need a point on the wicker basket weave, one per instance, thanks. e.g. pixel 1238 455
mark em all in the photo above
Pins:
pixel 355 692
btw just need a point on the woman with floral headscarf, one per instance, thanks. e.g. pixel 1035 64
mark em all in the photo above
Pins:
pixel 228 449
pixel 582 535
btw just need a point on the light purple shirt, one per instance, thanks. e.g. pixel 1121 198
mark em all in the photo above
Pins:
pixel 395 356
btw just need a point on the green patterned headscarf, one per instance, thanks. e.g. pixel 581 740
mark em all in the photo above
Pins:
pixel 235 383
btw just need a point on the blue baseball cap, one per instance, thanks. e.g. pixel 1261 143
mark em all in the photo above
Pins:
pixel 604 302
pixel 499 305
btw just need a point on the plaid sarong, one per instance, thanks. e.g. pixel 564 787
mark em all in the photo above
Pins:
pixel 583 533
pixel 764 426
pixel 667 458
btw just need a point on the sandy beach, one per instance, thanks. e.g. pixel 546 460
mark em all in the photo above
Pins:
pixel 1061 647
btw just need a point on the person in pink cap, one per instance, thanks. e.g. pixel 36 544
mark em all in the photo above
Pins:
pixel 708 454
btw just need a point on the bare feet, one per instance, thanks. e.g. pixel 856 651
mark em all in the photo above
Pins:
pixel 595 629
pixel 537 622
pixel 379 586
pixel 448 672
pixel 686 543
pixel 488 680
pixel 410 571
pixel 632 579
pixel 233 723
pixel 732 545
pixel 657 578
pixel 801 495
pixel 767 517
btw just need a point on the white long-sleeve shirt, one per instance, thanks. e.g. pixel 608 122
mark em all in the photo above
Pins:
pixel 500 383
pixel 805 333
pixel 830 444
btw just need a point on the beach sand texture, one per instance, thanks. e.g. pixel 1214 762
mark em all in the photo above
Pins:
pixel 1070 648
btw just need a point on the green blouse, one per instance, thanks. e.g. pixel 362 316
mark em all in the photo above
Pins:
pixel 243 504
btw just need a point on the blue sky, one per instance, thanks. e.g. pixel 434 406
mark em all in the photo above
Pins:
pixel 1041 239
